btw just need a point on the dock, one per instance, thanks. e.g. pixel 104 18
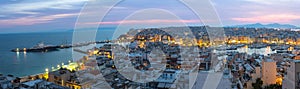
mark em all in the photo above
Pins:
pixel 57 47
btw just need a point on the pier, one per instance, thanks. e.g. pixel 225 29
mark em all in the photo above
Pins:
pixel 43 48
pixel 80 51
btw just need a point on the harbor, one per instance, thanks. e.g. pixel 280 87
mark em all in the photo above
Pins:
pixel 166 59
pixel 41 47
pixel 26 63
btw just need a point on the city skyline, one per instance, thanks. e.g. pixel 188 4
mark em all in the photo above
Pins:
pixel 146 44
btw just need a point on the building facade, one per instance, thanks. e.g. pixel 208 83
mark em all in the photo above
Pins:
pixel 291 81
pixel 269 72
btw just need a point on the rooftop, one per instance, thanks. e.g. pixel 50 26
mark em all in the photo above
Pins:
pixel 269 60
pixel 297 61
pixel 32 83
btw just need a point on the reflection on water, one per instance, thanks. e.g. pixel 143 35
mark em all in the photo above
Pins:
pixel 25 54
pixel 18 55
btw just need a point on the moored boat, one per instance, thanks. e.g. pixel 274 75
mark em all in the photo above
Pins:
pixel 41 47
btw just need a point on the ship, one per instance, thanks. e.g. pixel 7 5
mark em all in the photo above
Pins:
pixel 41 47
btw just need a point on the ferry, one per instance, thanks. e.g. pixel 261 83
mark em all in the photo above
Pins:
pixel 41 47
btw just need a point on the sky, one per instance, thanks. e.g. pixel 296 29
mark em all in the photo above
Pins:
pixel 61 15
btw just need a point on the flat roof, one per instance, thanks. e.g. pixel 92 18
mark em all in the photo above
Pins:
pixel 297 61
pixel 32 83
pixel 269 60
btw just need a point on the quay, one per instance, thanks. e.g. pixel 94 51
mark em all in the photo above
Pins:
pixel 46 48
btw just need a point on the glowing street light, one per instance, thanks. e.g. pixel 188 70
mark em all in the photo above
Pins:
pixel 47 70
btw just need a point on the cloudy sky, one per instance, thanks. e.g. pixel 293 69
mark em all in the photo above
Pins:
pixel 57 15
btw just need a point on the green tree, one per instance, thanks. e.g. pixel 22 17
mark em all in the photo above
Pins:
pixel 273 86
pixel 258 84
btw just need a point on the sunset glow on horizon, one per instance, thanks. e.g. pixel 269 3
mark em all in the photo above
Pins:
pixel 62 14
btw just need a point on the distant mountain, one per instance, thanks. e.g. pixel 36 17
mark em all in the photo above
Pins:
pixel 273 25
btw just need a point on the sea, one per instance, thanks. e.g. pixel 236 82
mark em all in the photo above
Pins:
pixel 24 64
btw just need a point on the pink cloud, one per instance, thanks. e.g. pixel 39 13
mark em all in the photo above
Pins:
pixel 31 20
pixel 155 21
pixel 279 18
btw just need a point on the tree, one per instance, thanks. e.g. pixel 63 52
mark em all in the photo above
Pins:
pixel 273 86
pixel 258 84
pixel 29 77
pixel 37 77
pixel 17 80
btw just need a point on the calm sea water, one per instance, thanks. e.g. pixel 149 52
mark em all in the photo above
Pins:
pixel 24 64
